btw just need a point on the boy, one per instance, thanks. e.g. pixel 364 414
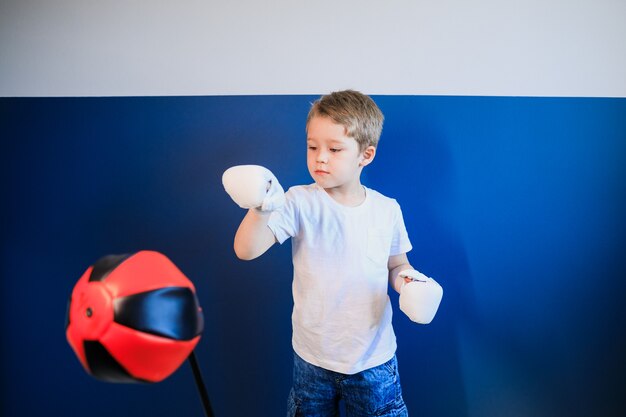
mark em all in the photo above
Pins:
pixel 349 243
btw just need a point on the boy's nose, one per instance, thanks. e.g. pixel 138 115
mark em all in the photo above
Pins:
pixel 322 157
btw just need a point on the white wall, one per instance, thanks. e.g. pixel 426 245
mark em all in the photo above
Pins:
pixel 444 47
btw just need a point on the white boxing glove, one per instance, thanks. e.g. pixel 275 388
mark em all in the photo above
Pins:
pixel 420 298
pixel 253 186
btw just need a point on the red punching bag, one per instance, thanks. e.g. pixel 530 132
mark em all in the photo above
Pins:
pixel 133 318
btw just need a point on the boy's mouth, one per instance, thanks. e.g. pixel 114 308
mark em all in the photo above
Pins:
pixel 321 172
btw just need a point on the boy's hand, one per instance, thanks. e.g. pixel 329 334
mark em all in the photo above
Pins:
pixel 253 186
pixel 420 296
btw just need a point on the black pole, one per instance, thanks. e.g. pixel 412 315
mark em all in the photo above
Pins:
pixel 204 396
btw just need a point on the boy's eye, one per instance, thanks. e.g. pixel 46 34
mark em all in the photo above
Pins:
pixel 312 148
pixel 334 150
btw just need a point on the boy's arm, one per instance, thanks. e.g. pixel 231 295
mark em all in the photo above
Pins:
pixel 397 264
pixel 419 295
pixel 253 237
pixel 253 187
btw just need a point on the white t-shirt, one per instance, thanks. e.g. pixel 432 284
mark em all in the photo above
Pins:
pixel 342 314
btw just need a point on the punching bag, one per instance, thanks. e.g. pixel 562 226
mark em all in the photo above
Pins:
pixel 133 318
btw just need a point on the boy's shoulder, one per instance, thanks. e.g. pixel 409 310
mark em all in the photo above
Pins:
pixel 380 197
pixel 303 189
pixel 313 194
pixel 300 194
pixel 310 190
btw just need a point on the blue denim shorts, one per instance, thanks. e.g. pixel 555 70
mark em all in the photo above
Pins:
pixel 316 392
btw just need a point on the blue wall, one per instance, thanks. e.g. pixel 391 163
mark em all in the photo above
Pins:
pixel 516 205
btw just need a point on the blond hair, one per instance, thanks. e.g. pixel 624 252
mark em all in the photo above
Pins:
pixel 355 111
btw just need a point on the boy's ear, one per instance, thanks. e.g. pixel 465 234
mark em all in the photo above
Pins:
pixel 368 155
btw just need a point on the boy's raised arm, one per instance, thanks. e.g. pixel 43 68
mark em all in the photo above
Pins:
pixel 253 237
pixel 257 189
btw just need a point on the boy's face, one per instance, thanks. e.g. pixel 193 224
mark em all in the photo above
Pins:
pixel 333 158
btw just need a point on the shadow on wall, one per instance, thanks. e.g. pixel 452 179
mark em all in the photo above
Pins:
pixel 414 165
